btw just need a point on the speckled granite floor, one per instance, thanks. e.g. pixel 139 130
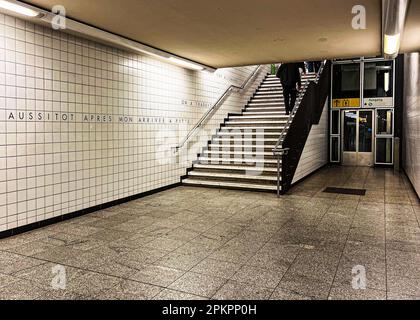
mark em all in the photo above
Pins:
pixel 196 243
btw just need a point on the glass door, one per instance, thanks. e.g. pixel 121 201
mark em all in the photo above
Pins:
pixel 365 148
pixel 384 136
pixel 358 137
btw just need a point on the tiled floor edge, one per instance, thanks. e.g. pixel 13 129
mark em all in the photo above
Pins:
pixel 71 215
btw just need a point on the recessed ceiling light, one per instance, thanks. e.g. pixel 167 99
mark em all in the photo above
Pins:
pixel 18 8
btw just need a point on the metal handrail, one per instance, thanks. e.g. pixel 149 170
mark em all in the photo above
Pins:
pixel 276 149
pixel 217 103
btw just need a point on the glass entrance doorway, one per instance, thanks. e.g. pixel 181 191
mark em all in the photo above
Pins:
pixel 358 137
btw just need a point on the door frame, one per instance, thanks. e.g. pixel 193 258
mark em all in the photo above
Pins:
pixel 373 152
pixel 385 136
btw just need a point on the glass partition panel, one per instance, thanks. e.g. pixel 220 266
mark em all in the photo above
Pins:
pixel 365 131
pixel 384 121
pixel 384 150
pixel 350 131
pixel 346 86
pixel 378 84
pixel 335 122
pixel 335 149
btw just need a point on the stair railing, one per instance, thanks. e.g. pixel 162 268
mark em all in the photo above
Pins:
pixel 216 105
pixel 278 150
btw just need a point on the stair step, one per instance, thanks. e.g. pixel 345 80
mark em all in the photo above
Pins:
pixel 226 160
pixel 260 97
pixel 238 153
pixel 232 176
pixel 233 168
pixel 272 79
pixel 267 141
pixel 277 83
pixel 262 101
pixel 270 88
pixel 254 130
pixel 239 146
pixel 233 185
pixel 256 122
pixel 264 113
pixel 236 134
pixel 265 106
pixel 310 75
pixel 269 85
pixel 258 104
pixel 255 126
pixel 265 109
pixel 267 98
pixel 269 91
pixel 259 117
pixel 277 80
pixel 245 156
pixel 271 82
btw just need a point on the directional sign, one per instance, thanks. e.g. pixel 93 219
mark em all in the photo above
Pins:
pixel 379 102
pixel 346 103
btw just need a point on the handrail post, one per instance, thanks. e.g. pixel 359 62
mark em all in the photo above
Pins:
pixel 278 175
pixel 280 153
pixel 284 172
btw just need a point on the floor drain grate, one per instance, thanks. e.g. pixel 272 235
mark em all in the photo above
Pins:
pixel 356 192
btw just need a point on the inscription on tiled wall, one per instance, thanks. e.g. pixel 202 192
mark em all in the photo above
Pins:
pixel 83 124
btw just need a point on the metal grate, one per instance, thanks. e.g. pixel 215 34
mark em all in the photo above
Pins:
pixel 356 192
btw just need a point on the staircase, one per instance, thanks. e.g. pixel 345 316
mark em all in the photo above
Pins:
pixel 240 155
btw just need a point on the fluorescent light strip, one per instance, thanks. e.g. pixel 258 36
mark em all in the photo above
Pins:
pixel 185 64
pixel 20 9
pixel 392 44
pixel 394 14
pixel 386 80
pixel 95 34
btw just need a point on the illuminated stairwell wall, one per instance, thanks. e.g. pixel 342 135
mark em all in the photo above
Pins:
pixel 82 124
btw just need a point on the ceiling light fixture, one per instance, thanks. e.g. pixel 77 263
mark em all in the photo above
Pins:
pixel 18 8
pixel 394 13
pixel 185 64
pixel 392 44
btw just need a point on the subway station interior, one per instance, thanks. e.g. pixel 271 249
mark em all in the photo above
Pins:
pixel 149 150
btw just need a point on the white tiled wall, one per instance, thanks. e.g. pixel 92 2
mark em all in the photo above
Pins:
pixel 83 124
pixel 411 122
pixel 315 153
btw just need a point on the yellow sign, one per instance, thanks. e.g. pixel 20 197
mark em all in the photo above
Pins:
pixel 346 103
